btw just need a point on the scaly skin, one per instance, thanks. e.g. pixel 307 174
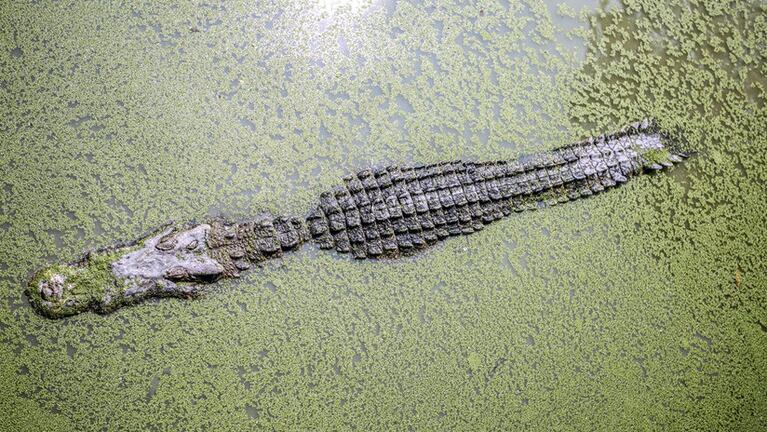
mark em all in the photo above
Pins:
pixel 400 210
pixel 386 212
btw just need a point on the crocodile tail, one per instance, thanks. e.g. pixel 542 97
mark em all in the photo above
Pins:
pixel 392 211
pixel 659 147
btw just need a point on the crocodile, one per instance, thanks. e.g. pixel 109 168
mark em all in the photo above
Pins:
pixel 378 213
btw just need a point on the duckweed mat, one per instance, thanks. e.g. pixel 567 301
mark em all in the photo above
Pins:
pixel 644 308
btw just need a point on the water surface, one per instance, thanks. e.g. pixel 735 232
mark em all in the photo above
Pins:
pixel 643 308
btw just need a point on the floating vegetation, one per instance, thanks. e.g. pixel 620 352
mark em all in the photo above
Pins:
pixel 619 312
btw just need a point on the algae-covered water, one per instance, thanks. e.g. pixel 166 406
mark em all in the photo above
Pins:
pixel 644 308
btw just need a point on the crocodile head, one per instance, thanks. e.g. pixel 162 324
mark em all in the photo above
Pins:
pixel 168 263
pixel 173 256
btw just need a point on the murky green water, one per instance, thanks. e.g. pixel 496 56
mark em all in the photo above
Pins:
pixel 643 308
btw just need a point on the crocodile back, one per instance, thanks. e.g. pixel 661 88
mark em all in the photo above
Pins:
pixel 398 210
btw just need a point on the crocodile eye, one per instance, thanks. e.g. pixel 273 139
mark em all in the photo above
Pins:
pixel 166 244
pixel 192 245
pixel 177 273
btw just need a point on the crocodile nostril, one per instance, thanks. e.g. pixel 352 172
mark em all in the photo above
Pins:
pixel 53 288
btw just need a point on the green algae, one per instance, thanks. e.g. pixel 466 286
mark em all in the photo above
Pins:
pixel 617 312
pixel 656 156
pixel 84 285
